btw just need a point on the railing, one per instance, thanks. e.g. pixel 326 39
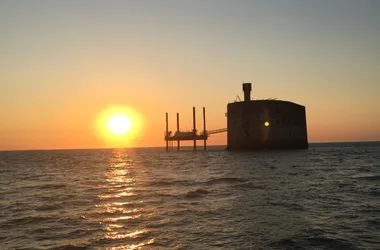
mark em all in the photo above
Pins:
pixel 208 132
pixel 216 131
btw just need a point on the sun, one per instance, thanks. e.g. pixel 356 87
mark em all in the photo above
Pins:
pixel 119 124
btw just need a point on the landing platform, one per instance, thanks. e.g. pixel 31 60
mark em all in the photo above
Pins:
pixel 186 137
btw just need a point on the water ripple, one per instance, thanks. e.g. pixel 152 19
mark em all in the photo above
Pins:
pixel 321 198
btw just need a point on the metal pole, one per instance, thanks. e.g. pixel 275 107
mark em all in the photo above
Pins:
pixel 194 130
pixel 204 127
pixel 167 132
pixel 178 144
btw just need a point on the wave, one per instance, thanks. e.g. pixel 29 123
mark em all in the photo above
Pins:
pixel 224 180
pixel 251 185
pixel 342 184
pixel 196 193
pixel 374 193
pixel 329 243
pixel 52 186
pixel 70 247
pixel 373 222
pixel 292 206
pixel 364 169
pixel 369 177
pixel 28 220
pixel 311 241
pixel 165 183
pixel 48 208
pixel 368 209
pixel 44 186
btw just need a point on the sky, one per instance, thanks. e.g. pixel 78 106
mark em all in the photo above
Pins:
pixel 63 63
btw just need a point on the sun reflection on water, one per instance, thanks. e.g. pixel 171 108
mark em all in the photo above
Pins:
pixel 122 218
pixel 135 234
pixel 112 227
pixel 133 246
pixel 118 195
pixel 116 209
pixel 120 204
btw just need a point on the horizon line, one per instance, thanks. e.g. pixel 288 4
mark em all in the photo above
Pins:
pixel 146 147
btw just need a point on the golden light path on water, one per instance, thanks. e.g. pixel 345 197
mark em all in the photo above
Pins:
pixel 121 205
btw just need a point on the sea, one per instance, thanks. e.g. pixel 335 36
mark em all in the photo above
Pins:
pixel 325 197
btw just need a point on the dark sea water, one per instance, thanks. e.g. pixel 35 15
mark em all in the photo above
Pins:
pixel 326 197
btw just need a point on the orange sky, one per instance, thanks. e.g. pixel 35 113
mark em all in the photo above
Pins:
pixel 63 63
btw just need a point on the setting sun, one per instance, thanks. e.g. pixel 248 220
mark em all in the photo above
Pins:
pixel 119 124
